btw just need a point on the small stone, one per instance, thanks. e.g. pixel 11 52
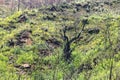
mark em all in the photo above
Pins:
pixel 26 65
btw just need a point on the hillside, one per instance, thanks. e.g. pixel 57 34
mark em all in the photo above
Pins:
pixel 69 41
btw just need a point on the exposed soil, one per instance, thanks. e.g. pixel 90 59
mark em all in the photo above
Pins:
pixel 24 69
pixel 24 38
pixel 53 43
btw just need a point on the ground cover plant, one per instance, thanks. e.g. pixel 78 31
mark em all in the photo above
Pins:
pixel 72 40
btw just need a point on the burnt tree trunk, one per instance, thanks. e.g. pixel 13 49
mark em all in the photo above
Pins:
pixel 67 51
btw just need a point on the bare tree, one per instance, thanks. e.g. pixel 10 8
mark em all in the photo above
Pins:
pixel 68 41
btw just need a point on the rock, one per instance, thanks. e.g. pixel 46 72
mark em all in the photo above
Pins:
pixel 22 18
pixel 25 65
pixel 23 68
pixel 93 31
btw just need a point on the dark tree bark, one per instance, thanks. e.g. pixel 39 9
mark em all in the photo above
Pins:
pixel 67 45
pixel 67 51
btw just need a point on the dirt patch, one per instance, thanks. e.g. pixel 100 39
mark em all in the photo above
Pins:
pixel 53 43
pixel 24 38
pixel 24 69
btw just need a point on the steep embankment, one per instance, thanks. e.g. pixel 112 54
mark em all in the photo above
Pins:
pixel 31 45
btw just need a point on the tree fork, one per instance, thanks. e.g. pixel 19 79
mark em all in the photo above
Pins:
pixel 67 49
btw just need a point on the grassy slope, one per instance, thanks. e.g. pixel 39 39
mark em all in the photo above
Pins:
pixel 91 60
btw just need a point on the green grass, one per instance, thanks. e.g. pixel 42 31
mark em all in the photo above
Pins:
pixel 53 67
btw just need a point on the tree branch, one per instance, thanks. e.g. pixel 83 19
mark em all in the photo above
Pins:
pixel 64 34
pixel 76 37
